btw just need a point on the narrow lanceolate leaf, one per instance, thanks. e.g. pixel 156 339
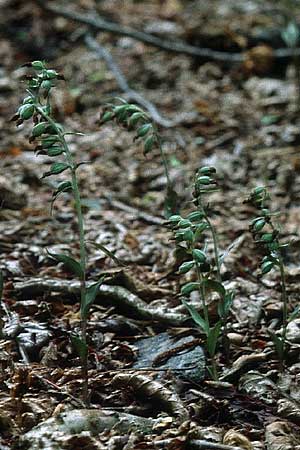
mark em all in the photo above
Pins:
pixel 196 317
pixel 135 118
pixel 106 251
pixel 195 216
pixel 149 144
pixel 73 265
pixel 278 344
pixel 214 286
pixel 212 338
pixel 90 296
pixel 171 202
pixel 144 129
pixel 80 346
pixel 294 314
pixel 56 169
pixel 64 186
pixel 189 287
pixel 106 117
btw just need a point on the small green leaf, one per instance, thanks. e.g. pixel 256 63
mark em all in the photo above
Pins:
pixel 27 100
pixel 196 317
pixel 184 235
pixel 171 202
pixel 149 143
pixel 106 251
pixel 134 108
pixel 225 304
pixel 291 34
pixel 259 190
pixel 56 169
pixel 279 345
pixel 64 186
pixel 199 228
pixel 144 129
pixel 189 287
pixel 267 237
pixel 106 117
pixel 205 180
pixel 184 223
pixel 135 118
pixel 215 286
pixel 212 339
pixel 174 219
pixel 294 314
pixel 195 216
pixel 69 262
pixel 186 267
pixel 207 170
pixel 80 347
pixel 90 295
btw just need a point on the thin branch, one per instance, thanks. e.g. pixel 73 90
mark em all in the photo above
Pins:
pixel 196 444
pixel 132 95
pixel 95 21
pixel 117 294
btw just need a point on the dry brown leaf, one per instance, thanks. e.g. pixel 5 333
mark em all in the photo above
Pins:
pixel 235 438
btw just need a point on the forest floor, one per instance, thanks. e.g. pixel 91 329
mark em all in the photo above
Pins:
pixel 234 108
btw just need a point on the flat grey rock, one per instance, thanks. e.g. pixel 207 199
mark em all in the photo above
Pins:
pixel 150 348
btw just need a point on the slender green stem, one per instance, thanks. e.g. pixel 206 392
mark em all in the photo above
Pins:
pixel 202 293
pixel 284 300
pixel 78 208
pixel 164 160
pixel 216 247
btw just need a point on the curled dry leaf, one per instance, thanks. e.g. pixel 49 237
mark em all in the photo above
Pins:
pixel 235 438
pixel 279 436
pixel 153 391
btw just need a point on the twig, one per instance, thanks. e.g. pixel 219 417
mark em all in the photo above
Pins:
pixel 132 95
pixel 118 294
pixel 98 23
pixel 146 217
pixel 196 444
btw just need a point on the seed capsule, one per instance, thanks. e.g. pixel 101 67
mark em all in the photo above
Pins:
pixel 258 224
pixel 199 256
pixel 266 267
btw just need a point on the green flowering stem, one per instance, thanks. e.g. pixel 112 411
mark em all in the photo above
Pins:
pixel 202 293
pixel 164 160
pixel 284 300
pixel 78 208
pixel 215 245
